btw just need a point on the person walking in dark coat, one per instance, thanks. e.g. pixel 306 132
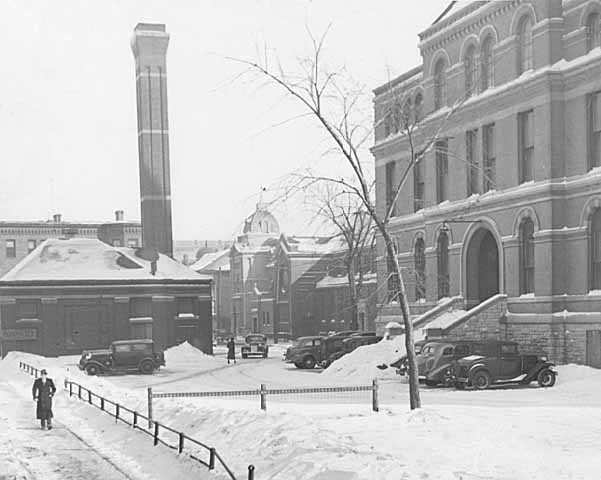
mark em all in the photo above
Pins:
pixel 231 350
pixel 43 390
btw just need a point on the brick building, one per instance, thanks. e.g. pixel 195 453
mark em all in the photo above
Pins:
pixel 251 273
pixel 312 290
pixel 507 202
pixel 217 266
pixel 75 294
pixel 18 239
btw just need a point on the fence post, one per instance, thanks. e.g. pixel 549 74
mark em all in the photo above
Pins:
pixel 70 389
pixel 251 472
pixel 116 412
pixel 263 397
pixel 89 397
pixel 212 459
pixel 102 403
pixel 135 423
pixel 180 444
pixel 149 407
pixel 79 391
pixel 374 396
pixel 156 433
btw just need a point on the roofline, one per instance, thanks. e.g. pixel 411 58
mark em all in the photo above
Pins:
pixel 398 80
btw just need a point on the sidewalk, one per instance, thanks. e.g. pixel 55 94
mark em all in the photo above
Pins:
pixel 29 453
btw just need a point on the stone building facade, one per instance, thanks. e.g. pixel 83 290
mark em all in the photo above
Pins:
pixel 507 198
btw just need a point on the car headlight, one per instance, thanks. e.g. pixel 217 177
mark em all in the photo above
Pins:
pixel 543 359
pixel 88 356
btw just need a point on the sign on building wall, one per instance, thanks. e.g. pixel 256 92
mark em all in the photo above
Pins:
pixel 14 334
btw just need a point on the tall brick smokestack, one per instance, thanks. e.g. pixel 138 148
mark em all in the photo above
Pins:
pixel 149 45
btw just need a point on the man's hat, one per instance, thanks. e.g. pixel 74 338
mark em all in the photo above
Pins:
pixel 43 372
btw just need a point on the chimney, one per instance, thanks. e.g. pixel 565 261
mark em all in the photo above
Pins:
pixel 119 215
pixel 56 218
pixel 149 46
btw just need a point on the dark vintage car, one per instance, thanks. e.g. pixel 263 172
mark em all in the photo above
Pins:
pixel 498 362
pixel 348 345
pixel 436 357
pixel 304 352
pixel 123 356
pixel 255 344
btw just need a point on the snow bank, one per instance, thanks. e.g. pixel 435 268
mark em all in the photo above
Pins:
pixel 360 366
pixel 186 354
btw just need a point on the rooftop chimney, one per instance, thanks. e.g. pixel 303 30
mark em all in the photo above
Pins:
pixel 119 215
pixel 56 218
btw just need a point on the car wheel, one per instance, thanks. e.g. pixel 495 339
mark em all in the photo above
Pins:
pixel 146 367
pixel 299 365
pixel 92 370
pixel 309 362
pixel 546 378
pixel 481 380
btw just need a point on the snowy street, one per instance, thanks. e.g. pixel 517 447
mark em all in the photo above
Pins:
pixel 527 433
pixel 28 453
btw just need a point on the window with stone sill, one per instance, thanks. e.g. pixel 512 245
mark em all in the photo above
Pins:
pixel 469 63
pixel 439 84
pixel 526 145
pixel 524 37
pixel 593 104
pixel 595 250
pixel 593 31
pixel 526 256
pixel 486 64
pixel 420 269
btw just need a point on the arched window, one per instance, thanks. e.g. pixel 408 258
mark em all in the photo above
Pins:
pixel 439 84
pixel 469 63
pixel 524 45
pixel 442 254
pixel 595 250
pixel 406 118
pixel 486 64
pixel 419 260
pixel 593 31
pixel 417 107
pixel 526 256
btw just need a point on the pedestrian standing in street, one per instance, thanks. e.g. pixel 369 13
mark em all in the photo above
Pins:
pixel 231 350
pixel 43 390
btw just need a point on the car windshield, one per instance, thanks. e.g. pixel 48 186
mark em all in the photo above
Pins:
pixel 255 339
pixel 427 350
pixel 302 342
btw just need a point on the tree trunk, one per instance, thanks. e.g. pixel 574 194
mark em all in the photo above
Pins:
pixel 354 323
pixel 414 397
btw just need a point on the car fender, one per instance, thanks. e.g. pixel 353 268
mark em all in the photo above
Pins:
pixel 534 371
pixel 95 362
pixel 145 359
pixel 438 372
pixel 476 368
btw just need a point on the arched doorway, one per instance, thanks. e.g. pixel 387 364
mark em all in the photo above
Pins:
pixel 482 267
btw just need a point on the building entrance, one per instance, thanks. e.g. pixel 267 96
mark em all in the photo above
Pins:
pixel 482 267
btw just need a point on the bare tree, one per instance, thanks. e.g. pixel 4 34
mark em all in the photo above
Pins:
pixel 344 211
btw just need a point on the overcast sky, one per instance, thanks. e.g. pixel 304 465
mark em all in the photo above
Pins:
pixel 67 107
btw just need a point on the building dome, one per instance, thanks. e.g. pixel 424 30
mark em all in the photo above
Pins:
pixel 262 221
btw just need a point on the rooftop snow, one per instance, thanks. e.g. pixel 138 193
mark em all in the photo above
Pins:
pixel 213 261
pixel 91 259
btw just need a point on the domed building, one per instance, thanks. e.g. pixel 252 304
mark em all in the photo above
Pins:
pixel 251 273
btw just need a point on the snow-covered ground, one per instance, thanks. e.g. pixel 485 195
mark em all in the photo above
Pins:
pixel 506 433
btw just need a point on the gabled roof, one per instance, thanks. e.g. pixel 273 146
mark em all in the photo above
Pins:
pixel 312 245
pixel 91 259
pixel 213 261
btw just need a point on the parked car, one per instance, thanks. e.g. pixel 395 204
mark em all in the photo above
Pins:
pixel 348 345
pixel 498 362
pixel 255 344
pixel 364 334
pixel 123 356
pixel 402 362
pixel 304 352
pixel 436 357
